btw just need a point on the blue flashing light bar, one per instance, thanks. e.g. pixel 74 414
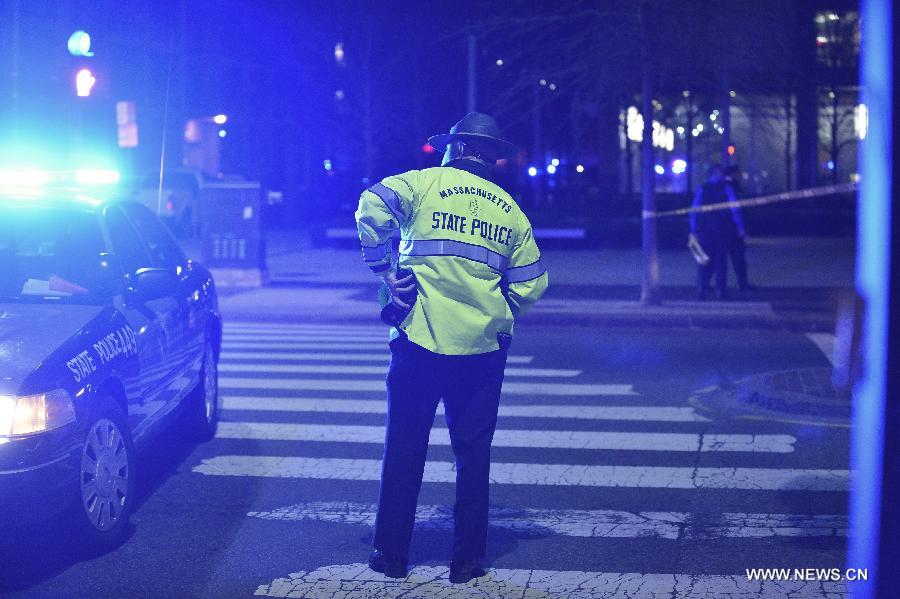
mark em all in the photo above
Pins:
pixel 29 180
pixel 97 176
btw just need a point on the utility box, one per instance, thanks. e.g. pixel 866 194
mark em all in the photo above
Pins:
pixel 234 248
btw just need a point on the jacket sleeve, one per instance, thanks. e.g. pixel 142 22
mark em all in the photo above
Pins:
pixel 526 277
pixel 383 209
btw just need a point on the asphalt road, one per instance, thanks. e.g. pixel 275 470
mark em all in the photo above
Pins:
pixel 606 481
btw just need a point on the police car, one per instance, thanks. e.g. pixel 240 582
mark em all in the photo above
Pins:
pixel 106 329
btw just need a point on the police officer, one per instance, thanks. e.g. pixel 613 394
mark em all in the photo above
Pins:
pixel 468 265
pixel 737 244
pixel 715 229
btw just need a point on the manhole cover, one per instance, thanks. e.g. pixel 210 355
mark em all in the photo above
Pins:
pixel 803 396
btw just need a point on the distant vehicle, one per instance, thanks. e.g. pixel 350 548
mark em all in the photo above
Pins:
pixel 107 330
pixel 178 202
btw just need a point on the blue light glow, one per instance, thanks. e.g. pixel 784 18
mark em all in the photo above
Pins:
pixel 327 165
pixel 659 169
pixel 555 162
pixel 532 171
pixel 551 169
pixel 830 165
pixel 872 279
pixel 223 133
pixel 97 176
pixel 679 166
pixel 80 44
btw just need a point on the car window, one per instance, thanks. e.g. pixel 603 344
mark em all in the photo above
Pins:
pixel 173 181
pixel 126 244
pixel 50 254
pixel 162 247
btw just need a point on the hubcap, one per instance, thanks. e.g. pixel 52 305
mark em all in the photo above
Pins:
pixel 104 474
pixel 210 384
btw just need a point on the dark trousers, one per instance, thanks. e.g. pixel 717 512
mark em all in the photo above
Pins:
pixel 737 250
pixel 470 387
pixel 716 247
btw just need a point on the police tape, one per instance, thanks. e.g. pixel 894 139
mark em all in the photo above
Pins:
pixel 787 196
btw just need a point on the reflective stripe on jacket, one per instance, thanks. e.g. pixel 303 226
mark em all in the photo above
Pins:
pixel 469 245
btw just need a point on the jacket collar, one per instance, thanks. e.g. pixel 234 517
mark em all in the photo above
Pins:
pixel 476 168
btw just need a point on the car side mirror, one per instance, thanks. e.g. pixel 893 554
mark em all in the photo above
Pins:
pixel 152 283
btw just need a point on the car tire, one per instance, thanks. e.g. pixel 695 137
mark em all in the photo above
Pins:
pixel 203 405
pixel 106 485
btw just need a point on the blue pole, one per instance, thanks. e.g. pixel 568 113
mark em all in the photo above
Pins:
pixel 873 285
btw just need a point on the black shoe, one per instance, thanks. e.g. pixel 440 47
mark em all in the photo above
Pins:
pixel 389 565
pixel 465 570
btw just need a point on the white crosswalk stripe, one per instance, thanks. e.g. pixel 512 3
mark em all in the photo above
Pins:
pixel 544 439
pixel 575 475
pixel 368 406
pixel 301 327
pixel 350 385
pixel 356 369
pixel 273 377
pixel 357 580
pixel 277 337
pixel 606 524
pixel 324 346
pixel 380 357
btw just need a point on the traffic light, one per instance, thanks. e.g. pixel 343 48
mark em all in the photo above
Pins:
pixel 84 83
pixel 80 44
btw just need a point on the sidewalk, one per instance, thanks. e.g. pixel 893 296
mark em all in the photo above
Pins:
pixel 800 281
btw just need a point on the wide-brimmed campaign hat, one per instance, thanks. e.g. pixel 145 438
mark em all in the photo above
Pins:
pixel 481 130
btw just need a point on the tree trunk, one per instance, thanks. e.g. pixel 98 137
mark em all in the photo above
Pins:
pixel 538 143
pixel 835 131
pixel 629 160
pixel 807 102
pixel 725 115
pixel 471 73
pixel 608 152
pixel 689 139
pixel 788 161
pixel 650 280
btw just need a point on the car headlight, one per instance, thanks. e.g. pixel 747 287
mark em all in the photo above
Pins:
pixel 29 414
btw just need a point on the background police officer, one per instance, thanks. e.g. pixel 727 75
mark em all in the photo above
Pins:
pixel 715 229
pixel 737 244
pixel 473 267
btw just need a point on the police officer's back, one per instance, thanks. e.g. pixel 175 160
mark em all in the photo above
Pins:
pixel 474 266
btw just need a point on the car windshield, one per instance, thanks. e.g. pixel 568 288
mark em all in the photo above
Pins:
pixel 50 255
pixel 172 181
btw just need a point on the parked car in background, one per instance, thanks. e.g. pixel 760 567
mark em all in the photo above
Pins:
pixel 107 331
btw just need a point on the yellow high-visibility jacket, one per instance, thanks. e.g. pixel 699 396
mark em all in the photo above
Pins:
pixel 470 247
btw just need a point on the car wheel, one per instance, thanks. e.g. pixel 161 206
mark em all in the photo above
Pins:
pixel 204 405
pixel 106 481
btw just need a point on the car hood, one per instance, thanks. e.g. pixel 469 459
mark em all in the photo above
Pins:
pixel 29 333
